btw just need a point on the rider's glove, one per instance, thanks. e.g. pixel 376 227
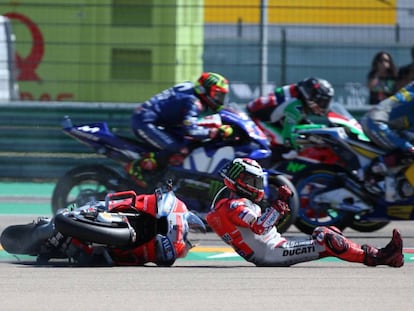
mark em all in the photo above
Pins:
pixel 225 131
pixel 281 207
pixel 284 193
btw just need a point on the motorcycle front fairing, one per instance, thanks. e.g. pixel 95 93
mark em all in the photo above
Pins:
pixel 180 223
pixel 175 210
pixel 258 146
pixel 212 156
pixel 338 115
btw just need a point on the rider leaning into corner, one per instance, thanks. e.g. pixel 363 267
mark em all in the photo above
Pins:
pixel 169 119
pixel 237 219
pixel 289 106
pixel 390 125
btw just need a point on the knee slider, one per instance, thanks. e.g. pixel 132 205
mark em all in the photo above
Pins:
pixel 334 242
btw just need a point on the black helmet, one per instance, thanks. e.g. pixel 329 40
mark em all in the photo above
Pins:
pixel 316 93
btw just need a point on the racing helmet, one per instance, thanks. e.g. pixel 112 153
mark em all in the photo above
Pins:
pixel 211 88
pixel 244 176
pixel 316 93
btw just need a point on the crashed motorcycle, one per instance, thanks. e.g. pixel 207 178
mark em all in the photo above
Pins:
pixel 196 178
pixel 109 229
pixel 337 195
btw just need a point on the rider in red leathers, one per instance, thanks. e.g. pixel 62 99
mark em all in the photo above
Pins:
pixel 238 220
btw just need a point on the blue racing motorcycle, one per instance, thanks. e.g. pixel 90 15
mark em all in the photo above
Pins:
pixel 196 179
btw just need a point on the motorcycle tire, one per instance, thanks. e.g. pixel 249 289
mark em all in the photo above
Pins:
pixel 275 181
pixel 113 234
pixel 367 226
pixel 86 183
pixel 311 215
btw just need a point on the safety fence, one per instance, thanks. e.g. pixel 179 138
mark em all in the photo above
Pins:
pixel 124 51
pixel 33 145
pixel 127 50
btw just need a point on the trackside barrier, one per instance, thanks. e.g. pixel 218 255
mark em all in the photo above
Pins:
pixel 33 146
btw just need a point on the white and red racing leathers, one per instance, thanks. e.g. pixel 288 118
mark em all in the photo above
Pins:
pixel 253 235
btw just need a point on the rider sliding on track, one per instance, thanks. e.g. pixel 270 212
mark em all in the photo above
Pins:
pixel 238 220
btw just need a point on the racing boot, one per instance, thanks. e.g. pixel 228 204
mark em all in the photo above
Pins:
pixel 177 159
pixel 380 165
pixel 135 168
pixel 149 163
pixel 390 255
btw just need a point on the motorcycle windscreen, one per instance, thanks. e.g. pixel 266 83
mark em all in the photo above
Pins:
pixel 195 224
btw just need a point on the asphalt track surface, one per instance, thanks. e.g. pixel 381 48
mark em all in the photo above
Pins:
pixel 212 277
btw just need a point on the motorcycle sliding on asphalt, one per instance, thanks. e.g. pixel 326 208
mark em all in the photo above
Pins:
pixel 108 229
pixel 196 178
pixel 337 195
pixel 304 154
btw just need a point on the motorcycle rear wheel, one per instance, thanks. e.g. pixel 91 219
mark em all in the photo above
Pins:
pixel 311 214
pixel 86 183
pixel 367 226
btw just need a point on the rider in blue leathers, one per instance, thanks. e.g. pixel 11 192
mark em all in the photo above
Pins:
pixel 389 123
pixel 169 119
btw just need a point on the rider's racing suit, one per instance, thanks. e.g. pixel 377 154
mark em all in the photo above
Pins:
pixel 384 123
pixel 280 112
pixel 168 117
pixel 240 223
